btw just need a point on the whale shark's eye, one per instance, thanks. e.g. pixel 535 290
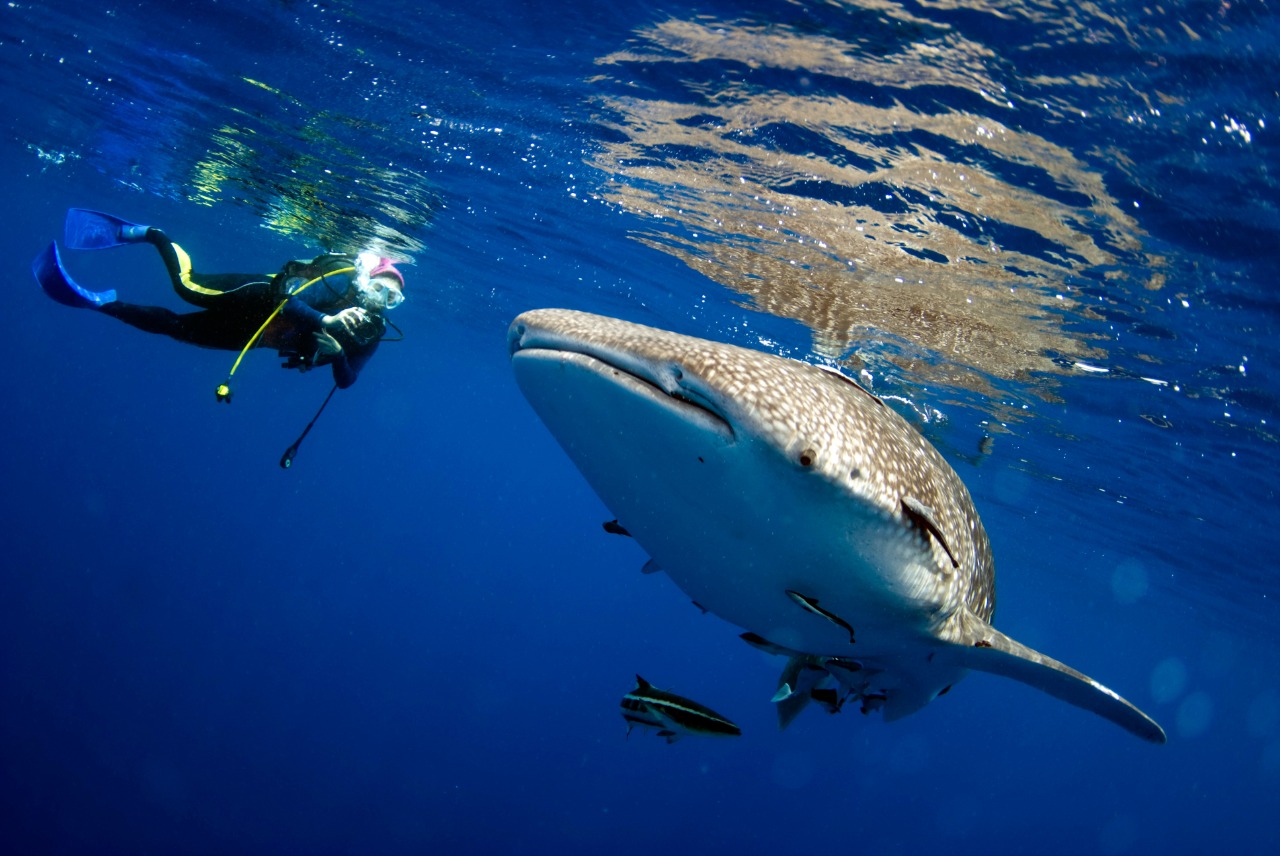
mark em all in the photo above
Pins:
pixel 807 457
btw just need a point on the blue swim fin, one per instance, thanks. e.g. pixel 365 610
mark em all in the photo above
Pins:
pixel 55 281
pixel 93 230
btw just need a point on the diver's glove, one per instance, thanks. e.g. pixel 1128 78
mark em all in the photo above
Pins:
pixel 326 345
pixel 350 320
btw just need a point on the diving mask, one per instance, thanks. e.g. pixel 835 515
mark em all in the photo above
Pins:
pixel 381 293
pixel 380 284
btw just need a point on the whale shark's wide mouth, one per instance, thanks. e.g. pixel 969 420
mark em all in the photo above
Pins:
pixel 662 382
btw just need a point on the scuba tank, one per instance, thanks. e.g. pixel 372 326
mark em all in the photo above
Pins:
pixel 296 274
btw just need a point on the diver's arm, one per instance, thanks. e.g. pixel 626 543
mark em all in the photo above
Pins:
pixel 307 317
pixel 346 362
pixel 347 365
pixel 313 320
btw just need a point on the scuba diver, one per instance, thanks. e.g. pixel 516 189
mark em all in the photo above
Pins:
pixel 326 311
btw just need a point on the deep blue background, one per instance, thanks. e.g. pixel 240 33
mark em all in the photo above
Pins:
pixel 416 639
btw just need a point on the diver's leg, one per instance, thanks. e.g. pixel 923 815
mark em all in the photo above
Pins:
pixel 206 328
pixel 205 290
pixel 151 319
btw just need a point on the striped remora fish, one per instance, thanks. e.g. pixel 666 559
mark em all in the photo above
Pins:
pixel 673 716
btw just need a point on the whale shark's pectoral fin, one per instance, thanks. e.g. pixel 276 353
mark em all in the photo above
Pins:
pixel 785 691
pixel 988 650
pixel 923 518
pixel 789 708
pixel 651 567
pixel 800 678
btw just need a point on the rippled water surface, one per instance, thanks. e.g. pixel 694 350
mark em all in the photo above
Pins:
pixel 1045 232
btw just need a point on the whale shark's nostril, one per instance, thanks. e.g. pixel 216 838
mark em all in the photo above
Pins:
pixel 671 379
pixel 515 339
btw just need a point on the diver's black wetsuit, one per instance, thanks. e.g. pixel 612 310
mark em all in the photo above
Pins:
pixel 233 307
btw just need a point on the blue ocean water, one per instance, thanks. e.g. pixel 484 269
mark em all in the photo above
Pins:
pixel 1046 232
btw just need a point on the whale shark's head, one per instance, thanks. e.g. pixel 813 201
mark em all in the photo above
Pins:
pixel 657 420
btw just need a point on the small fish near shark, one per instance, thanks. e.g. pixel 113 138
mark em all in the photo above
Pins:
pixel 671 715
pixel 829 681
pixel 792 502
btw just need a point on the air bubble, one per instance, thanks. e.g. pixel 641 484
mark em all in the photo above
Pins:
pixel 1168 680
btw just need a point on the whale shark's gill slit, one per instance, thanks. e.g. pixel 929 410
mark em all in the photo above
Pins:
pixel 853 383
pixel 923 519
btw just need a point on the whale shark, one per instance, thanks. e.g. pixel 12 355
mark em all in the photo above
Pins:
pixel 790 501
